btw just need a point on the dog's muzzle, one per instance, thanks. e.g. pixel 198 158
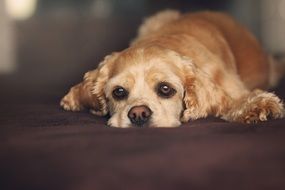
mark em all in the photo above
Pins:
pixel 139 115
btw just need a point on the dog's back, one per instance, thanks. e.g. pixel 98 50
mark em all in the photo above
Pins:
pixel 224 37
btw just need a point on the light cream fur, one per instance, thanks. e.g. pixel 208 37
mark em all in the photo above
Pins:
pixel 213 63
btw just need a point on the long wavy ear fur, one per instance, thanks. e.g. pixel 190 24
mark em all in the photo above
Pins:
pixel 202 97
pixel 90 92
pixel 103 74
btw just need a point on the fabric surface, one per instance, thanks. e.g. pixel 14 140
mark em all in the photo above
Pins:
pixel 44 147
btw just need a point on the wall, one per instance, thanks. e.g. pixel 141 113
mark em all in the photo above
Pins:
pixel 7 50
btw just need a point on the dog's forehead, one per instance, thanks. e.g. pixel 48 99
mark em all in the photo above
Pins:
pixel 135 58
pixel 145 60
pixel 151 71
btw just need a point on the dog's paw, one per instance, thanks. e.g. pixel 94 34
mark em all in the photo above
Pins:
pixel 269 110
pixel 70 102
pixel 258 106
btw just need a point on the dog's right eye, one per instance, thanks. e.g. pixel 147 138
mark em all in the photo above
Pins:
pixel 119 93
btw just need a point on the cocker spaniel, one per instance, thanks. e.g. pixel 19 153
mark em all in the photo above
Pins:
pixel 182 67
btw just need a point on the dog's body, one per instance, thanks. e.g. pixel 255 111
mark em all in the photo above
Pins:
pixel 180 68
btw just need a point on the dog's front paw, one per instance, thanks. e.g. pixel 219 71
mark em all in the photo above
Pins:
pixel 263 113
pixel 70 102
pixel 258 106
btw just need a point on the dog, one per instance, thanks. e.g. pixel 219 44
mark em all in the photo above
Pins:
pixel 182 67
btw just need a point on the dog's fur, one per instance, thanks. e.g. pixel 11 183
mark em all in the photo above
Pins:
pixel 214 64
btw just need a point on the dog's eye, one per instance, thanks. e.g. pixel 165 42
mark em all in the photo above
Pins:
pixel 119 93
pixel 164 90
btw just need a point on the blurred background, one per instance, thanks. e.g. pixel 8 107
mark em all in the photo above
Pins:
pixel 47 45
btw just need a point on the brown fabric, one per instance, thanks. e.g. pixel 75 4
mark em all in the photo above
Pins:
pixel 44 147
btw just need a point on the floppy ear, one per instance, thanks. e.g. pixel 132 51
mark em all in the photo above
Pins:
pixel 202 97
pixel 90 92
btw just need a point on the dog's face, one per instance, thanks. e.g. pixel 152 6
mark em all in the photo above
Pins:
pixel 154 87
pixel 145 88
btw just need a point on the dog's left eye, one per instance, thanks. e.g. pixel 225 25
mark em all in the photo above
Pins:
pixel 164 90
pixel 119 93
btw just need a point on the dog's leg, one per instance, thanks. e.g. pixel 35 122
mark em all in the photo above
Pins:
pixel 256 106
pixel 72 100
pixel 229 99
pixel 80 95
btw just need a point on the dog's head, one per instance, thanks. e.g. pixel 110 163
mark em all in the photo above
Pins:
pixel 150 86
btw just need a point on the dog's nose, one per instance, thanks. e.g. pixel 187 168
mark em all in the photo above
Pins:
pixel 139 115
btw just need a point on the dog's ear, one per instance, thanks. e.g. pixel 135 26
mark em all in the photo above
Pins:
pixel 202 96
pixel 90 92
pixel 98 80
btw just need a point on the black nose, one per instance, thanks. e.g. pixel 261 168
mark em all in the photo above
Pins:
pixel 139 115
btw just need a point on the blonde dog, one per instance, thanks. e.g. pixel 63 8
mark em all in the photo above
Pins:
pixel 182 67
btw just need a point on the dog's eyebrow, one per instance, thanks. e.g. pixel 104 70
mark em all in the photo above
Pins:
pixel 127 81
